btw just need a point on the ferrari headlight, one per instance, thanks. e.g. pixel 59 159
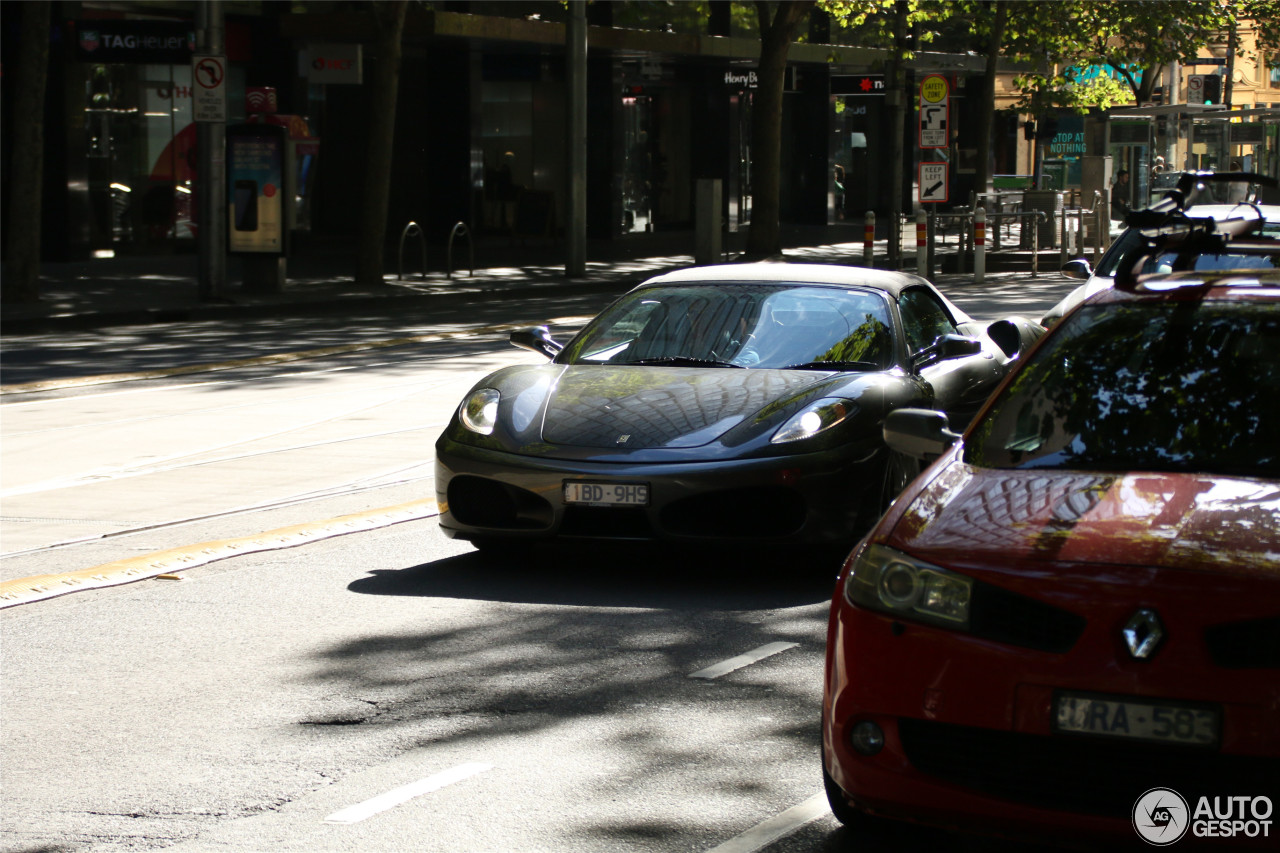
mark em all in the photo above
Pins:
pixel 889 581
pixel 818 416
pixel 479 412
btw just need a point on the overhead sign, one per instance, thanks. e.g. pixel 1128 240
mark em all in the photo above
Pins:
pixel 934 111
pixel 130 40
pixel 933 183
pixel 209 87
pixel 858 84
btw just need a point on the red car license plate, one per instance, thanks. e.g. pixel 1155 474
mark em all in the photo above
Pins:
pixel 1137 719
pixel 606 494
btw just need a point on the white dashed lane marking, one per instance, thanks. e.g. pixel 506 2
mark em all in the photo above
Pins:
pixel 405 793
pixel 719 669
pixel 763 834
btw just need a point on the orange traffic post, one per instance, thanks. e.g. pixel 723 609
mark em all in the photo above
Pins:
pixel 922 243
pixel 869 239
pixel 979 245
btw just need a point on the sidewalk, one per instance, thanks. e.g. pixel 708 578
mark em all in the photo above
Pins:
pixel 133 290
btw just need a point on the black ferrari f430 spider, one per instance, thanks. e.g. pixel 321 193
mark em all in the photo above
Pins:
pixel 727 405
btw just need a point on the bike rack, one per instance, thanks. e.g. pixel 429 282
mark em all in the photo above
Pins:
pixel 412 230
pixel 460 228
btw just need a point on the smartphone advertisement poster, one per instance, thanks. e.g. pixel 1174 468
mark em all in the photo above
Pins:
pixel 256 188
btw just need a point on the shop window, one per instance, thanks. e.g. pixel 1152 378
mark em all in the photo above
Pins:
pixel 141 150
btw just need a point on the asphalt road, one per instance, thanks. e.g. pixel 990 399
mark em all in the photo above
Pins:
pixel 386 689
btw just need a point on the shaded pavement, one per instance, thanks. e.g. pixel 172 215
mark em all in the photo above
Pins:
pixel 320 278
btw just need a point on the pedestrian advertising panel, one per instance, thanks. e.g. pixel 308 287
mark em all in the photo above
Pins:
pixel 257 188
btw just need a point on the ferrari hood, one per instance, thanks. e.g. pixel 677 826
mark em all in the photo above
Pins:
pixel 645 407
pixel 1007 517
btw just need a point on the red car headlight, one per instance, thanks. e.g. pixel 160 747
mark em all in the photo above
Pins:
pixel 888 581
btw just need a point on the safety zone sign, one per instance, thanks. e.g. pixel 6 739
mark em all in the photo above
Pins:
pixel 209 89
pixel 935 106
pixel 933 182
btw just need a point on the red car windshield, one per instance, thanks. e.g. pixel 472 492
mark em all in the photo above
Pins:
pixel 1157 386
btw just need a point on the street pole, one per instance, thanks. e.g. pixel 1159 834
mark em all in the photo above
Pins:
pixel 576 226
pixel 896 101
pixel 211 179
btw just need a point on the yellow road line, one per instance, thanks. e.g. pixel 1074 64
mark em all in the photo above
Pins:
pixel 39 587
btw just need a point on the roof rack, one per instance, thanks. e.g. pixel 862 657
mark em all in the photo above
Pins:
pixel 1167 227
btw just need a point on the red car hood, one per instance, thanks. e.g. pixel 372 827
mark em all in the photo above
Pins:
pixel 1185 521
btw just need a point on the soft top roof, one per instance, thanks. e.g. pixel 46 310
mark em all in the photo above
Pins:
pixel 833 275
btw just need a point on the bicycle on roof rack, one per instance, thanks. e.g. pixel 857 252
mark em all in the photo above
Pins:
pixel 1174 240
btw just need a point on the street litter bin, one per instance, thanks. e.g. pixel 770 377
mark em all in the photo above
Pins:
pixel 1052 203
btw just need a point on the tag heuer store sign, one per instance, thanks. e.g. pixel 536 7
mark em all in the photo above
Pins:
pixel 331 63
pixel 126 40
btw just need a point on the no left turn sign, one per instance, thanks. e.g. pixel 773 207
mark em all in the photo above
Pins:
pixel 209 94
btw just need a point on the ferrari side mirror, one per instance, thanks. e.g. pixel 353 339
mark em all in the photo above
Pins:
pixel 538 339
pixel 1079 268
pixel 919 433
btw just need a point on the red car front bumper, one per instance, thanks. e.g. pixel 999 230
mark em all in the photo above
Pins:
pixel 969 729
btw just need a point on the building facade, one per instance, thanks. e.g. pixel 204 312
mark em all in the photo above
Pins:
pixel 480 126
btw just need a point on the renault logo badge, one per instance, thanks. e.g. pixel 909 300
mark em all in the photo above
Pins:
pixel 1143 633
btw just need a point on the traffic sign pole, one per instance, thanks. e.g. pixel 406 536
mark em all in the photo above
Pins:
pixel 211 155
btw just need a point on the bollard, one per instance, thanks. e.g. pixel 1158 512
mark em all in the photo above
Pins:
pixel 1035 246
pixel 869 239
pixel 979 245
pixel 922 231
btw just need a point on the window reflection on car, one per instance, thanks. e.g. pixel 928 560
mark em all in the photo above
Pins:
pixel 746 326
pixel 1168 386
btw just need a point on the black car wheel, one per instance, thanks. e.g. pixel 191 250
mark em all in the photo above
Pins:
pixel 899 470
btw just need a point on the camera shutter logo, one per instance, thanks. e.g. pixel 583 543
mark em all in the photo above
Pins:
pixel 1161 816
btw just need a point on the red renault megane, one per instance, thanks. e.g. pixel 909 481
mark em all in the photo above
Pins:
pixel 1069 625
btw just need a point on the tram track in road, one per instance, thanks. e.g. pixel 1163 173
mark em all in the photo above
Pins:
pixel 167 563
pixel 123 458
pixel 285 503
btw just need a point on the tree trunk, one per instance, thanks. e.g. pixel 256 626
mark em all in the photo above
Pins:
pixel 764 239
pixel 22 250
pixel 987 107
pixel 382 128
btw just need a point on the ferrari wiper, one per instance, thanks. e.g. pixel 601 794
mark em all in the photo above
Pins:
pixel 685 360
pixel 833 365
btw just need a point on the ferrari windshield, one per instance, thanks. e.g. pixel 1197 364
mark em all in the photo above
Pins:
pixel 1157 386
pixel 740 325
